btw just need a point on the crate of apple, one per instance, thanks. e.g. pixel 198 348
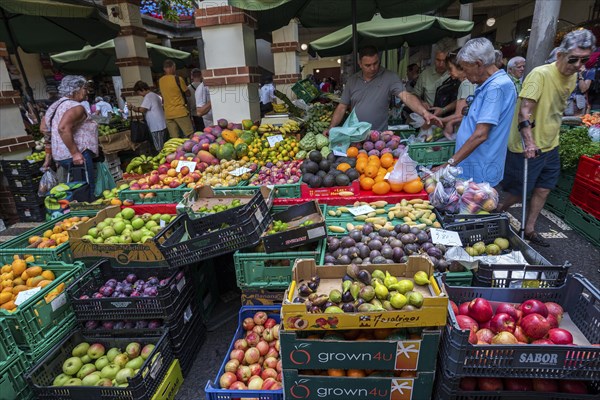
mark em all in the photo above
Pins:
pixel 253 365
pixel 512 388
pixel 82 366
pixel 94 327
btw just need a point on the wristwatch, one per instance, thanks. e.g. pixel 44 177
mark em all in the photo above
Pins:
pixel 526 123
pixel 451 162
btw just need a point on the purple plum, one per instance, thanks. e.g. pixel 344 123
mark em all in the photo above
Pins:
pixel 135 293
pixel 368 146
pixel 131 278
pixel 154 324
pixel 91 324
pixel 374 136
pixel 374 153
pixel 97 296
pixel 150 291
pixel 108 325
pixel 153 280
pixel 379 145
pixel 128 325
pixel 119 325
pixel 143 324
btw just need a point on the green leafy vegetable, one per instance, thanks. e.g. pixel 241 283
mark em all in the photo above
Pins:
pixel 575 143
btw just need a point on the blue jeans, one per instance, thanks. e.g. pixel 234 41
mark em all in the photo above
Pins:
pixel 89 166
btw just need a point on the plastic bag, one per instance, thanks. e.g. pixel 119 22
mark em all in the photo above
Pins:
pixel 478 197
pixel 445 199
pixel 48 181
pixel 594 133
pixel 352 131
pixel 405 169
pixel 104 179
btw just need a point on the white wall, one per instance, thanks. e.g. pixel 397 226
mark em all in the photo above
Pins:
pixel 33 69
pixel 311 65
pixel 264 55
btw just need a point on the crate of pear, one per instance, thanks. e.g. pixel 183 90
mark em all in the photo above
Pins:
pixel 498 246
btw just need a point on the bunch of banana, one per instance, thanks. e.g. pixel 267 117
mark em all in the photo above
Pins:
pixel 171 145
pixel 280 108
pixel 268 128
pixel 290 126
pixel 142 164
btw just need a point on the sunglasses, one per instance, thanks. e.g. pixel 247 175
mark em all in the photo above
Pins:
pixel 469 101
pixel 573 60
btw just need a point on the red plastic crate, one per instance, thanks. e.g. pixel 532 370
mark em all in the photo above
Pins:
pixel 586 195
pixel 318 193
pixel 363 195
pixel 589 168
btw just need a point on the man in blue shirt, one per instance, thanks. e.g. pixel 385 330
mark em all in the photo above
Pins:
pixel 481 141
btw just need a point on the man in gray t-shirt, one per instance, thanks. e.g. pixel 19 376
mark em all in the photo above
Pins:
pixel 368 92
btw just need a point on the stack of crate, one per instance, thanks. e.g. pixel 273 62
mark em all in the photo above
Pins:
pixel 114 165
pixel 583 212
pixel 23 178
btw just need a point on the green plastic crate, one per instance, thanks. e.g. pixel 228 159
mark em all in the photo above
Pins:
pixel 464 278
pixel 587 225
pixel 18 245
pixel 166 196
pixel 12 379
pixel 557 202
pixel 8 346
pixel 434 153
pixel 252 270
pixel 565 181
pixel 31 324
pixel 305 90
pixel 55 335
pixel 287 191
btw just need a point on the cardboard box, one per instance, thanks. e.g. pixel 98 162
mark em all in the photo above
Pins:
pixel 432 313
pixel 116 142
pixel 206 197
pixel 298 352
pixel 296 235
pixel 308 192
pixel 298 386
pixel 261 297
pixel 170 385
pixel 138 254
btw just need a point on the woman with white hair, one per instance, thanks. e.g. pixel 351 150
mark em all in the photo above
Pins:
pixel 71 135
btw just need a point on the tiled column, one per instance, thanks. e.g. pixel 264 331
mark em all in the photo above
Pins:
pixel 231 73
pixel 130 46
pixel 285 49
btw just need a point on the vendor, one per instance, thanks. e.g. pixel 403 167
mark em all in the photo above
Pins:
pixel 368 92
pixel 71 135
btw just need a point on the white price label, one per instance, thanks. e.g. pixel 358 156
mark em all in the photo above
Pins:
pixel 181 284
pixel 27 213
pixel 18 184
pixel 162 223
pixel 25 295
pixel 387 176
pixel 190 164
pixel 360 210
pixel 442 236
pixel 316 232
pixel 14 172
pixel 273 140
pixel 239 171
pixel 58 302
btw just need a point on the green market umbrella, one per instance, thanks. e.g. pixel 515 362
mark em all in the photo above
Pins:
pixel 391 33
pixel 101 59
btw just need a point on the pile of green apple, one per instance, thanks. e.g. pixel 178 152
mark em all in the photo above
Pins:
pixel 91 365
pixel 127 227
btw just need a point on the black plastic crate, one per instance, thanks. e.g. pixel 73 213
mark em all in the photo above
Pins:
pixel 31 213
pixel 141 387
pixel 162 306
pixel 185 240
pixel 190 343
pixel 23 183
pixel 579 299
pixel 27 199
pixel 15 168
pixel 513 275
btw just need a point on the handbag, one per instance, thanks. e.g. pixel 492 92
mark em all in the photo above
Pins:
pixel 140 132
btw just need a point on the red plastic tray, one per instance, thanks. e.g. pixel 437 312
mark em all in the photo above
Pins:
pixel 364 195
pixel 589 168
pixel 318 193
pixel 585 194
pixel 154 208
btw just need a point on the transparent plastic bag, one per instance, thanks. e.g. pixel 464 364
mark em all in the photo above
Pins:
pixel 478 197
pixel 48 181
pixel 445 198
pixel 405 169
pixel 594 133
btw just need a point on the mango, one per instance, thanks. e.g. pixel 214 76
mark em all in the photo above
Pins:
pixel 47 274
pixel 33 271
pixel 19 288
pixel 5 297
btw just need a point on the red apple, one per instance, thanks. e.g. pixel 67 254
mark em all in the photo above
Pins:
pixel 243 373
pixel 485 325
pixel 504 338
pixel 552 321
pixel 454 307
pixel 263 347
pixel 260 318
pixel 251 356
pixel 569 386
pixel 232 366
pixel 555 309
pixel 560 336
pixel 544 385
pixel 490 384
pixel 480 310
pixel 518 385
pixel 533 306
pixel 465 322
pixel 238 385
pixel 535 326
pixel 508 309
pixel 268 373
pixel 542 341
pixel 248 324
pixel 269 323
pixel 468 384
pixel 237 355
pixel 485 335
pixel 241 344
pixel 252 338
pixel 226 380
pixel 463 309
pixel 502 322
pixel 255 369
pixel 520 335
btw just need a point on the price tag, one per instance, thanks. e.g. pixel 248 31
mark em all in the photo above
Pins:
pixel 58 302
pixel 15 172
pixel 25 295
pixel 442 236
pixel 181 284
pixel 27 213
pixel 18 184
pixel 239 171
pixel 190 164
pixel 162 223
pixel 387 176
pixel 273 140
pixel 360 210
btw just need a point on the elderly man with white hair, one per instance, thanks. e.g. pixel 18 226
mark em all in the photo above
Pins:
pixel 516 69
pixel 483 134
pixel 536 126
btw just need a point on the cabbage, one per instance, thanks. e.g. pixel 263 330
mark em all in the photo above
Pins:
pixel 322 141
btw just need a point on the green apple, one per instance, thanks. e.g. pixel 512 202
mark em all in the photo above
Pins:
pixel 165 217
pixel 121 360
pixel 146 238
pixel 110 371
pixel 125 239
pixel 123 186
pixel 137 223
pixel 136 363
pixel 136 236
pixel 80 350
pixel 108 221
pixel 102 362
pixel 124 374
pixel 88 238
pixel 93 232
pixel 118 215
pixel 128 213
pixel 150 224
pixel 98 240
pixel 123 385
pixel 91 379
pixel 60 380
pixel 72 365
pixel 101 226
pixel 173 218
pixel 156 229
pixel 96 351
pixel 119 227
pixel 146 217
pixel 107 232
pixel 105 192
pixel 86 359
pixel 86 370
pixel 104 382
pixel 112 353
pixel 155 217
pixel 73 382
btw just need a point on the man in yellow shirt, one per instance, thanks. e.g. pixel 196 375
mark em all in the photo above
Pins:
pixel 174 92
pixel 536 124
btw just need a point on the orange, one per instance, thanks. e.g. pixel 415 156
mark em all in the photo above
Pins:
pixel 374 160
pixel 361 164
pixel 396 187
pixel 381 188
pixel 387 160
pixel 380 178
pixel 362 154
pixel 343 167
pixel 382 171
pixel 414 186
pixel 371 170
pixel 356 373
pixel 336 372
pixel 352 151
pixel 366 183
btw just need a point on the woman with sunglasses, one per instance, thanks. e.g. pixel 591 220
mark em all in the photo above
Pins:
pixel 466 89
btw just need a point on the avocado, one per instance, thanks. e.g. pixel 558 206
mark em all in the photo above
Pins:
pixel 311 166
pixel 342 180
pixel 307 177
pixel 324 165
pixel 315 156
pixel 352 174
pixel 328 180
pixel 315 181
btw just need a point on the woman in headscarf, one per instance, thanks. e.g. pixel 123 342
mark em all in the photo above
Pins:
pixel 71 135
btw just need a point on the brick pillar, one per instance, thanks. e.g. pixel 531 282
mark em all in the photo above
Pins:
pixel 285 49
pixel 231 73
pixel 130 46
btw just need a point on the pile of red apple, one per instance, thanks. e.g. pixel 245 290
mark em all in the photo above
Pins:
pixel 532 322
pixel 165 177
pixel 523 385
pixel 254 362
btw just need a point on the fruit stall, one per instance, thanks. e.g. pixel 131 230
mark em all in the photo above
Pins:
pixel 358 274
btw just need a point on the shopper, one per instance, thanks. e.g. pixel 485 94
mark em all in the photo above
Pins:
pixel 103 107
pixel 368 93
pixel 483 134
pixel 499 59
pixel 536 124
pixel 196 82
pixel 154 114
pixel 174 93
pixel 516 69
pixel 465 90
pixel 430 79
pixel 267 96
pixel 71 135
pixel 412 75
pixel 593 90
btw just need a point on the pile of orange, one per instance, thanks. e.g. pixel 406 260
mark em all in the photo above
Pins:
pixel 56 236
pixel 373 170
